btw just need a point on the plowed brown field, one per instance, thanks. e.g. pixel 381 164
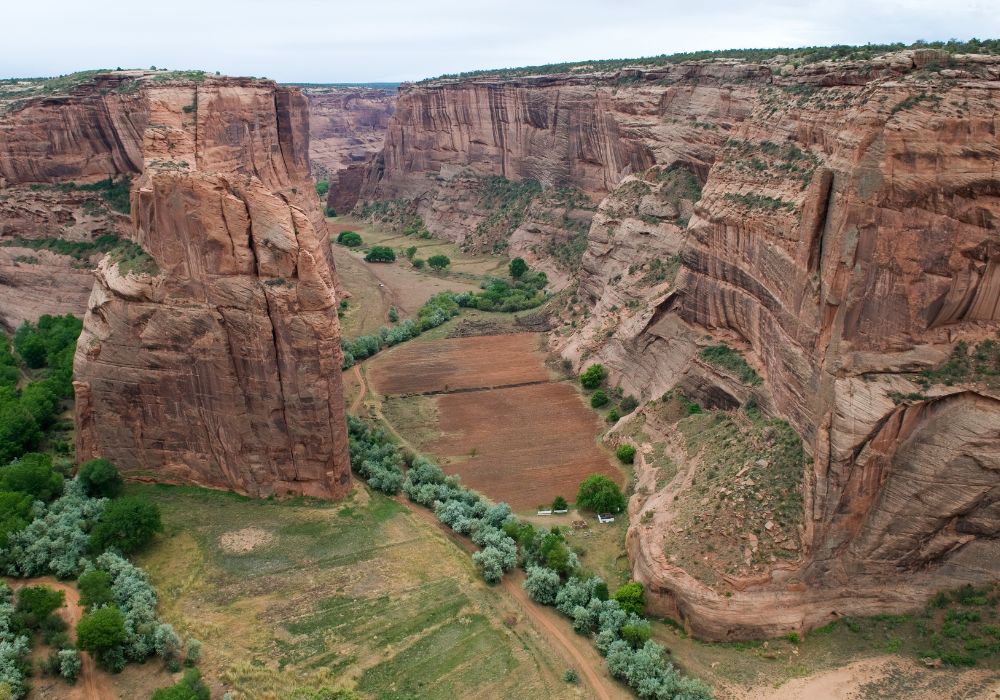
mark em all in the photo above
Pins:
pixel 523 444
pixel 459 363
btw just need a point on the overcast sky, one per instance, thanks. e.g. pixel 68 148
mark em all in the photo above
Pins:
pixel 395 40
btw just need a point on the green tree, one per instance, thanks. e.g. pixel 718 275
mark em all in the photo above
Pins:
pixel 95 588
pixel 600 494
pixel 33 351
pixel 41 401
pixel 322 187
pixel 598 399
pixel 559 503
pixel 418 263
pixel 38 602
pixel 636 635
pixel 625 453
pixel 32 474
pixel 393 314
pixel 593 376
pixel 100 630
pixel 19 431
pixel 381 253
pixel 349 239
pixel 69 664
pixel 439 262
pixel 15 514
pixel 517 268
pixel 631 599
pixel 100 479
pixel 411 251
pixel 190 687
pixel 128 524
pixel 542 585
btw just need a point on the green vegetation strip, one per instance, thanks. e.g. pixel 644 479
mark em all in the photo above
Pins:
pixel 725 358
pixel 798 56
pixel 554 576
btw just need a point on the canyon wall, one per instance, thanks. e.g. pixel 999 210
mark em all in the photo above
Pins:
pixel 835 222
pixel 347 126
pixel 211 347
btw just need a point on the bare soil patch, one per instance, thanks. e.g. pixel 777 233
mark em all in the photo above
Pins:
pixel 492 415
pixel 524 445
pixel 245 540
pixel 459 363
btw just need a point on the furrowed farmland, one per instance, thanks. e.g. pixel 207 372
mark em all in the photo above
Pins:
pixel 488 408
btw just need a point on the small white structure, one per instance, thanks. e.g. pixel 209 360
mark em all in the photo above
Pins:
pixel 544 512
pixel 561 511
pixel 605 518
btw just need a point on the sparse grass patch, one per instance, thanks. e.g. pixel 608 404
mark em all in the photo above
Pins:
pixel 730 360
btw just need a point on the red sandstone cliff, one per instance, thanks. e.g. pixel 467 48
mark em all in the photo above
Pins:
pixel 211 348
pixel 836 221
pixel 347 127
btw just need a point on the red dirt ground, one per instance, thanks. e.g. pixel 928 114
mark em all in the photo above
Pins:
pixel 532 443
pixel 459 363
pixel 521 444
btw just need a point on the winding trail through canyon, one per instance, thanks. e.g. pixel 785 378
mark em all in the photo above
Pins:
pixel 91 684
pixel 575 649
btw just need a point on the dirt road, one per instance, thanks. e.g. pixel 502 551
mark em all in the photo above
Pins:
pixel 92 683
pixel 576 650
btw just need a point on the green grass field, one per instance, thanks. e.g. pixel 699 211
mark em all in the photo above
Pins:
pixel 299 595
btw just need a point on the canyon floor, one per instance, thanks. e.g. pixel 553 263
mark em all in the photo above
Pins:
pixel 282 602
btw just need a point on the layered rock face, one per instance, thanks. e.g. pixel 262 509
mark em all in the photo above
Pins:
pixel 211 348
pixel 837 223
pixel 347 127
pixel 53 148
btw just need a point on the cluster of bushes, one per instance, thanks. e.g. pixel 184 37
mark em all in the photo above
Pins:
pixel 437 310
pixel 130 257
pixel 801 55
pixel 349 239
pixel 467 513
pixel 527 292
pixel 760 201
pixel 620 632
pixel 438 262
pixel 726 358
pixel 374 457
pixel 78 250
pixel 398 214
pixel 115 193
pixel 967 364
pixel 67 521
pixel 600 494
pixel 15 644
pixel 381 253
pixel 190 687
pixel 120 623
pixel 591 379
pixel 70 527
pixel 508 202
pixel 45 352
pixel 553 570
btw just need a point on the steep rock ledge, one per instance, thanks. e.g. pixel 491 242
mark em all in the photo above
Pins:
pixel 211 348
pixel 840 232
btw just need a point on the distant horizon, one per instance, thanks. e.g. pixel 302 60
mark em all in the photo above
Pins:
pixel 481 69
pixel 316 41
